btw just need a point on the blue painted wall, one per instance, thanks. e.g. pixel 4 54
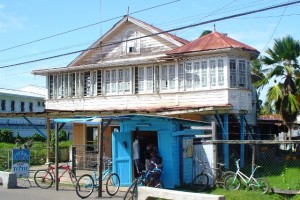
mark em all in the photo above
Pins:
pixel 168 145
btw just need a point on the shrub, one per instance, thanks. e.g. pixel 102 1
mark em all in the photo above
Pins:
pixel 6 135
pixel 62 136
pixel 38 138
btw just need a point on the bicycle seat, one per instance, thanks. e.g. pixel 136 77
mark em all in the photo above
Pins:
pixel 48 163
pixel 221 164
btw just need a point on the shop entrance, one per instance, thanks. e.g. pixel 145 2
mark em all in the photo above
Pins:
pixel 144 146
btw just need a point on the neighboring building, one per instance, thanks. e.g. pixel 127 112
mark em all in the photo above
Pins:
pixel 137 68
pixel 27 100
pixel 19 101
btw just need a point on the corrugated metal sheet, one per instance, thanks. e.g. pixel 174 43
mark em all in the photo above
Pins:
pixel 212 41
pixel 12 92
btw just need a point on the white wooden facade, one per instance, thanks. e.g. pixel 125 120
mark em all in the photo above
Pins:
pixel 129 69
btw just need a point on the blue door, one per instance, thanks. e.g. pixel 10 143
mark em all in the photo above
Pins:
pixel 165 141
pixel 121 155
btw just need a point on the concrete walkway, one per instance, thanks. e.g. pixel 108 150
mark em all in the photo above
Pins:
pixel 28 190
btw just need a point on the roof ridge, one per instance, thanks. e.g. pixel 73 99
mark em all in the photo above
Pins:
pixel 222 37
pixel 177 38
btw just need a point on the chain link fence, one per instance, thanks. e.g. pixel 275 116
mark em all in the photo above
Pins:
pixel 279 160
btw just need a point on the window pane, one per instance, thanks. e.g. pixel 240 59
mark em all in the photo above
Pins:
pixel 141 79
pixel 87 84
pixel 220 72
pixel 172 77
pixel 188 75
pixel 54 86
pixel 242 73
pixel 196 74
pixel 181 77
pixel 114 81
pixel 50 82
pixel 149 79
pixel 127 80
pixel 94 83
pixel 65 85
pixel 164 77
pixel 3 102
pixel 213 74
pixel 204 73
pixel 232 66
pixel 121 81
pixel 99 82
pixel 107 81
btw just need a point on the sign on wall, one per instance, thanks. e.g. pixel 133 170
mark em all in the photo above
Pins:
pixel 21 162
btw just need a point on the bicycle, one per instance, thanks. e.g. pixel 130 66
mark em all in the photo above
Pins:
pixel 150 178
pixel 87 183
pixel 44 178
pixel 218 175
pixel 233 182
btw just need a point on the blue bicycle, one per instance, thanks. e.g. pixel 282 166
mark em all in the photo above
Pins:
pixel 87 183
pixel 150 178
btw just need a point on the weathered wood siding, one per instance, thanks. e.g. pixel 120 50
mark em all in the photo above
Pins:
pixel 147 45
pixel 239 99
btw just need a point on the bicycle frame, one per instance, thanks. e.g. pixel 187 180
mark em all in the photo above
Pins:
pixel 243 176
pixel 105 174
pixel 212 172
pixel 51 169
pixel 145 177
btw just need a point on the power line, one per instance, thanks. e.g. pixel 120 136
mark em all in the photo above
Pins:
pixel 205 15
pixel 158 33
pixel 274 29
pixel 82 27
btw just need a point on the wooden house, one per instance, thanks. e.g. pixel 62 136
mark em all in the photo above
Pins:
pixel 138 68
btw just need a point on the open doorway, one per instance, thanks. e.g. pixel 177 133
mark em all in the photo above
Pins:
pixel 144 144
pixel 91 138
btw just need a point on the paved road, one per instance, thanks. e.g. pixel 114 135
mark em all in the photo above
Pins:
pixel 26 192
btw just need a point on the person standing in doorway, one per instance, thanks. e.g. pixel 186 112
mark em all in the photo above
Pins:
pixel 136 154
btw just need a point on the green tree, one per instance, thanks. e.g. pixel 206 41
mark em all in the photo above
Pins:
pixel 256 75
pixel 283 68
pixel 6 135
pixel 205 32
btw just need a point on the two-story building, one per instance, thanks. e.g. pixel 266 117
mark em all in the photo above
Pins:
pixel 138 68
pixel 23 101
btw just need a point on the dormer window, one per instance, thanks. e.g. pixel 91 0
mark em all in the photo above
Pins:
pixel 130 49
pixel 131 44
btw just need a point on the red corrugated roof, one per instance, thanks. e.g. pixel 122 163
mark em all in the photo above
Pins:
pixel 271 117
pixel 212 41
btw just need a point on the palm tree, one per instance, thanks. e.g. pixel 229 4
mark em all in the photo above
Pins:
pixel 256 75
pixel 284 70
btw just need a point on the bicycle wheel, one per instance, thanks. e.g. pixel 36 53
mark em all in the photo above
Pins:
pixel 112 184
pixel 85 186
pixel 262 185
pixel 73 178
pixel 43 179
pixel 221 181
pixel 132 193
pixel 200 182
pixel 232 182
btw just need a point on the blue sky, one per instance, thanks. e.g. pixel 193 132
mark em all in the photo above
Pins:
pixel 23 21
